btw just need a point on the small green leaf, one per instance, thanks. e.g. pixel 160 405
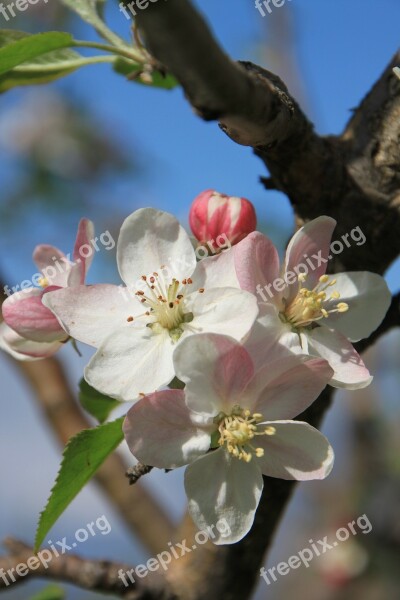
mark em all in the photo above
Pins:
pixel 97 404
pixel 82 456
pixel 51 592
pixel 17 47
pixel 132 71
pixel 45 67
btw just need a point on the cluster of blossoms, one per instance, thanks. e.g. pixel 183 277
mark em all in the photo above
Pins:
pixel 250 361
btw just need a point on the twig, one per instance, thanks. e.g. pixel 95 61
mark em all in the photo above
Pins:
pixel 136 472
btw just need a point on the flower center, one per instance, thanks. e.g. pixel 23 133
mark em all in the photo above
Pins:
pixel 311 305
pixel 237 431
pixel 165 303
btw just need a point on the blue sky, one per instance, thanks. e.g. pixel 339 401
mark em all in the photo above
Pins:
pixel 341 48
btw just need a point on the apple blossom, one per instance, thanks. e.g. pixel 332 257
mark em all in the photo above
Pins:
pixel 30 330
pixel 213 215
pixel 168 297
pixel 307 310
pixel 231 425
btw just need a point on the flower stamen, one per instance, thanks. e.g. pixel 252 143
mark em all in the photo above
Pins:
pixel 309 305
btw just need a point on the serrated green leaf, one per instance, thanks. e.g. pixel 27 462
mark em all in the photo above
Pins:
pixel 131 70
pixel 17 48
pixel 96 404
pixel 51 592
pixel 82 456
pixel 89 11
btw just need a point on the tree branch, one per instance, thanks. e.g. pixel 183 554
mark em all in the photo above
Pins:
pixel 94 575
pixel 353 178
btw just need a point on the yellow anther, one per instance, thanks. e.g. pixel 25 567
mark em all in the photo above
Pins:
pixel 324 278
pixel 342 307
pixel 43 282
pixel 270 430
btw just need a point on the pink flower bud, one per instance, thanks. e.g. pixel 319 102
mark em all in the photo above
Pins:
pixel 213 214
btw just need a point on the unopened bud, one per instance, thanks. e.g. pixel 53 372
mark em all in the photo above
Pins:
pixel 213 214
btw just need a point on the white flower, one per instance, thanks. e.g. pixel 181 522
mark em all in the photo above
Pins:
pixel 167 298
pixel 231 425
pixel 311 312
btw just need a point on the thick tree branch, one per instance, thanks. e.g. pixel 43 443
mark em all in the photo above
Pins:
pixel 354 178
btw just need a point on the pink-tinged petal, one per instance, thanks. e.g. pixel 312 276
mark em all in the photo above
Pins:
pixel 160 432
pixel 152 240
pixel 216 271
pixel 294 451
pixel 216 370
pixel 131 362
pixel 311 241
pixel 53 264
pixel 83 253
pixel 91 313
pixel 285 388
pixel 349 369
pixel 23 349
pixel 257 266
pixel 227 311
pixel 25 313
pixel 223 494
pixel 368 298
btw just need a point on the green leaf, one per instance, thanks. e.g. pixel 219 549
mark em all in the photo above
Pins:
pixel 132 71
pixel 46 67
pixel 96 404
pixel 89 11
pixel 82 456
pixel 17 47
pixel 51 592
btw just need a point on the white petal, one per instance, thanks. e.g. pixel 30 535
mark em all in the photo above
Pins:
pixel 270 338
pixel 223 494
pixel 53 264
pixel 349 369
pixel 286 387
pixel 216 271
pixel 216 370
pixel 368 297
pixel 295 451
pixel 91 313
pixel 227 311
pixel 131 362
pixel 150 239
pixel 160 432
